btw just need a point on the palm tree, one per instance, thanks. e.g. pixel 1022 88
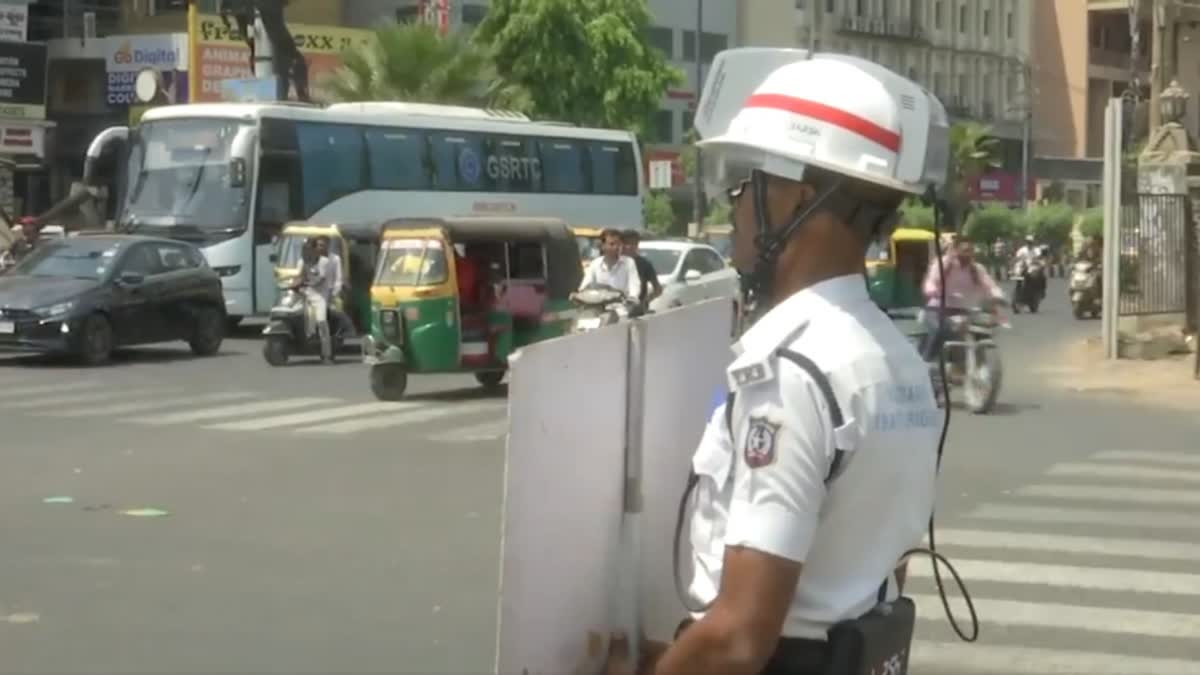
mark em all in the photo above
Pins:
pixel 414 62
pixel 973 151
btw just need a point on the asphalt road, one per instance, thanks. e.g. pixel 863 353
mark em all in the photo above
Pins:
pixel 367 542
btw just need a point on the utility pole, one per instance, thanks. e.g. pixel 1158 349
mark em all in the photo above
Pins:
pixel 1162 56
pixel 698 207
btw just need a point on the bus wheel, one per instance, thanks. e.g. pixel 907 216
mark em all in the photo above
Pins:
pixel 389 381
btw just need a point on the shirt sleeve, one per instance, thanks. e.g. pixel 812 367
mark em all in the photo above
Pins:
pixel 634 289
pixel 589 276
pixel 782 456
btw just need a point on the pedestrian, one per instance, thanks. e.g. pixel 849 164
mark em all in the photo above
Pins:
pixel 650 286
pixel 315 284
pixel 336 286
pixel 817 474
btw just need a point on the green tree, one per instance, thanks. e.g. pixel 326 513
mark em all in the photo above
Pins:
pixel 973 152
pixel 1092 224
pixel 657 212
pixel 582 61
pixel 414 62
pixel 990 224
pixel 1050 223
pixel 719 213
pixel 915 214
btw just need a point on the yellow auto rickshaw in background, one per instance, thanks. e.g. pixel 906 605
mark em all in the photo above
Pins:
pixel 356 244
pixel 587 238
pixel 460 295
pixel 896 268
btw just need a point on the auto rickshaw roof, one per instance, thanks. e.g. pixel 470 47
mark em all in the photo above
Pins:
pixel 487 228
pixel 358 231
pixel 911 234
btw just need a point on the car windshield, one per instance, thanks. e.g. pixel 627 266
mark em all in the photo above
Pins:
pixel 292 245
pixel 411 262
pixel 74 258
pixel 664 260
pixel 179 175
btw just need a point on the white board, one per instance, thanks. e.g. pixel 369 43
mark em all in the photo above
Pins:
pixel 563 502
pixel 687 351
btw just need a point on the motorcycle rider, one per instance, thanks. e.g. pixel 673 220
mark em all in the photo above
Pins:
pixel 613 269
pixel 650 288
pixel 316 283
pixel 785 543
pixel 1026 255
pixel 968 285
pixel 337 284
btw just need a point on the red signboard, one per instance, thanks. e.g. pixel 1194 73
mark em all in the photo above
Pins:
pixel 1000 186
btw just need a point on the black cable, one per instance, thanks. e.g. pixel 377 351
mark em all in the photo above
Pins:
pixel 931 551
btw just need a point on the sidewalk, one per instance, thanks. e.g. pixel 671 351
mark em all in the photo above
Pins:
pixel 1167 382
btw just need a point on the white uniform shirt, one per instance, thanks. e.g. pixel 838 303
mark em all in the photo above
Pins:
pixel 335 273
pixel 1027 254
pixel 850 537
pixel 622 275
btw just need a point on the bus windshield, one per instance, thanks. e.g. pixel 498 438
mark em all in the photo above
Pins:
pixel 178 176
pixel 411 262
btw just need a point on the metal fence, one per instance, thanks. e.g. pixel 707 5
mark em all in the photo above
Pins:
pixel 1154 242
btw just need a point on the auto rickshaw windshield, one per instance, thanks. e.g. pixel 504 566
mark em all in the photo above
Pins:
pixel 589 247
pixel 292 245
pixel 412 262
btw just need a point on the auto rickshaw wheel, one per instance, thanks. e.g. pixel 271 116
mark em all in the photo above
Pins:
pixel 490 379
pixel 389 381
pixel 276 350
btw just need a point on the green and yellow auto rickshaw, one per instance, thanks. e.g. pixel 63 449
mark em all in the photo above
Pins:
pixel 356 244
pixel 459 295
pixel 896 269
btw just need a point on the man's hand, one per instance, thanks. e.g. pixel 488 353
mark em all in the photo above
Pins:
pixel 619 658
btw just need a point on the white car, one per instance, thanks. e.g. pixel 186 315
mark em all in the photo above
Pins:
pixel 689 273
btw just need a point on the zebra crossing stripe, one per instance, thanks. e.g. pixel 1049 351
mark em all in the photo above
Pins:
pixel 479 432
pixel 398 420
pixel 147 405
pixel 314 416
pixel 46 389
pixel 1152 549
pixel 72 399
pixel 965 659
pixel 1113 579
pixel 1123 471
pixel 1180 458
pixel 238 410
pixel 1158 520
pixel 1104 493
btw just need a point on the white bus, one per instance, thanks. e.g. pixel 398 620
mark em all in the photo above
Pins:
pixel 228 176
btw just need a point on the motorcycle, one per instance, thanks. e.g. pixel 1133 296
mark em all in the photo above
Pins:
pixel 1031 285
pixel 287 335
pixel 599 306
pixel 1086 289
pixel 972 350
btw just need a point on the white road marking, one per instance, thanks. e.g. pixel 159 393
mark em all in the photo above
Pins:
pixel 22 392
pixel 1142 623
pixel 479 432
pixel 1114 579
pixel 71 399
pixel 413 417
pixel 1111 494
pixel 238 410
pixel 955 657
pixel 149 404
pixel 1126 471
pixel 1153 549
pixel 1181 458
pixel 1159 520
pixel 314 416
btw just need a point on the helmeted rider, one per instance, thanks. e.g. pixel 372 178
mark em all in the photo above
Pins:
pixel 816 159
pixel 1027 254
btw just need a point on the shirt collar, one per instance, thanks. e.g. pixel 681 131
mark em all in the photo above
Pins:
pixel 785 318
pixel 604 262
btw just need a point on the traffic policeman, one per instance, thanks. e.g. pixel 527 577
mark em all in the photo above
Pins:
pixel 818 473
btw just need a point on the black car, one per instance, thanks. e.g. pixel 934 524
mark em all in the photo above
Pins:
pixel 86 295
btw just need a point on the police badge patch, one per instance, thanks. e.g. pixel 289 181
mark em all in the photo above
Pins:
pixel 760 442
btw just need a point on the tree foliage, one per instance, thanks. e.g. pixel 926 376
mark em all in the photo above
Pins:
pixel 916 215
pixel 990 224
pixel 719 213
pixel 1050 223
pixel 973 152
pixel 414 62
pixel 581 61
pixel 658 212
pixel 1092 224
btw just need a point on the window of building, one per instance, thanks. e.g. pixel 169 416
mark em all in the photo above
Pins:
pixel 408 14
pixel 662 39
pixel 686 121
pixel 711 44
pixel 663 130
pixel 1008 24
pixel 962 19
pixel 964 88
pixel 939 86
pixel 987 22
pixel 937 14
pixel 858 8
pixel 157 7
pixel 830 7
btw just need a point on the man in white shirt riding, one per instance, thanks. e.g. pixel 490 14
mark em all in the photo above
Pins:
pixel 613 269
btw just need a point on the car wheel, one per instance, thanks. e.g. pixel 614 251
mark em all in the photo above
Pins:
pixel 208 332
pixel 95 340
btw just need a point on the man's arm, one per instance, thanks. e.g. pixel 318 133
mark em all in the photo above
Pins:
pixel 781 457
pixel 633 286
pixel 589 276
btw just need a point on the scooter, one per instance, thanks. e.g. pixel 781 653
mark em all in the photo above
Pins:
pixel 1086 289
pixel 286 335
pixel 1031 286
pixel 599 306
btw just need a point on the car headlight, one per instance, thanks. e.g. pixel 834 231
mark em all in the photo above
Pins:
pixel 54 310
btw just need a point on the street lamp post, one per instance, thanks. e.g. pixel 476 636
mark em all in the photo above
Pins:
pixel 698 195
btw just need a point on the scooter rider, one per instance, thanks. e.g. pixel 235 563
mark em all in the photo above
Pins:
pixel 337 317
pixel 818 472
pixel 314 283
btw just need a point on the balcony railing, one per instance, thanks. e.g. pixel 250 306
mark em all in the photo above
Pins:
pixel 1111 58
pixel 899 29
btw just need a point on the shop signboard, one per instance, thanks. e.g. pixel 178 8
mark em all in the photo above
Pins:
pixel 220 53
pixel 14 21
pixel 23 80
pixel 127 55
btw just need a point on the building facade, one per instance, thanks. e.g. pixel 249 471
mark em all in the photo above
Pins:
pixel 24 127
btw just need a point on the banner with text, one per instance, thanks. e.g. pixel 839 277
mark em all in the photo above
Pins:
pixel 220 53
pixel 127 55
pixel 14 21
pixel 23 80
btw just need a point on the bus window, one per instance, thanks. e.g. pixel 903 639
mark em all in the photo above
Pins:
pixel 513 165
pixel 333 163
pixel 562 167
pixel 458 162
pixel 398 159
pixel 613 170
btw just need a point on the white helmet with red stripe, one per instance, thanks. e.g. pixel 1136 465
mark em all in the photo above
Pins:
pixel 780 111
